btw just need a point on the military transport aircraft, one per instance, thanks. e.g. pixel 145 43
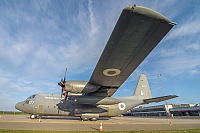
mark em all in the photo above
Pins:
pixel 136 34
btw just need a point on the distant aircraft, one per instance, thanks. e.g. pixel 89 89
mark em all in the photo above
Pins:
pixel 135 35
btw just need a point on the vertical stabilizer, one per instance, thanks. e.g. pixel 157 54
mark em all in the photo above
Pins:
pixel 143 90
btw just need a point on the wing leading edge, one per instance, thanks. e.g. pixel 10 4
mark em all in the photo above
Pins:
pixel 136 34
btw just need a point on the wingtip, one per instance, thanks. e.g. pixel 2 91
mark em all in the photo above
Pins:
pixel 149 12
pixel 175 95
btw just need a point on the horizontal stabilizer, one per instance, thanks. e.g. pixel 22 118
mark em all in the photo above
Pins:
pixel 159 99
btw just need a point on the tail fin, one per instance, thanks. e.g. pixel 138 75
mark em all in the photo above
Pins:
pixel 143 90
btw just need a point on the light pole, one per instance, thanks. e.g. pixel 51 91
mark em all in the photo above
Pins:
pixel 167 109
pixel 161 81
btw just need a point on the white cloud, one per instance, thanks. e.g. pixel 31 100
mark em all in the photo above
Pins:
pixel 188 26
pixel 94 26
pixel 40 40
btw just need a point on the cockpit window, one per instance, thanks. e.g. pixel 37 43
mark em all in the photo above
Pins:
pixel 31 97
pixel 27 102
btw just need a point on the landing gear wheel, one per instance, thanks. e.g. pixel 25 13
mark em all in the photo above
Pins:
pixel 32 116
pixel 93 119
pixel 84 119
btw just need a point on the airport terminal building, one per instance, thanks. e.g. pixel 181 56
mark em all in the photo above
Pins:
pixel 166 110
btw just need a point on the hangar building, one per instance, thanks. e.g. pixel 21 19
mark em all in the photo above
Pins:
pixel 166 110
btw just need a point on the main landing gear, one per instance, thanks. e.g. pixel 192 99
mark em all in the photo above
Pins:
pixel 88 119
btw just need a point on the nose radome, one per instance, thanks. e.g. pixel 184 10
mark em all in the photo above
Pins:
pixel 18 106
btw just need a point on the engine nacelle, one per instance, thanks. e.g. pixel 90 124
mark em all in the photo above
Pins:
pixel 78 86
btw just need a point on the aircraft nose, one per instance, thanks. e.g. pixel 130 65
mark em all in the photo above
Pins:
pixel 18 106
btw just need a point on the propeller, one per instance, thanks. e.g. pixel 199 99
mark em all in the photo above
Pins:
pixel 62 85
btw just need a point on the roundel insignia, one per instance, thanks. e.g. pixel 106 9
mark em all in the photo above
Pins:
pixel 111 72
pixel 121 106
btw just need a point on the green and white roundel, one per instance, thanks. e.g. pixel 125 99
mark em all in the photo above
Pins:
pixel 121 106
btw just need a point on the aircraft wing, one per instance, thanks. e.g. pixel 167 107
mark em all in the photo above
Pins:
pixel 136 34
pixel 159 99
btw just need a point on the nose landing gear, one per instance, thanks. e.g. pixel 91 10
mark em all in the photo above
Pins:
pixel 32 116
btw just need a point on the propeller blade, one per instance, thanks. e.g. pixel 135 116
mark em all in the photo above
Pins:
pixel 66 95
pixel 62 85
pixel 61 94
pixel 65 74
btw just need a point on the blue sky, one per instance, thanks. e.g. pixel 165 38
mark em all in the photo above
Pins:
pixel 38 39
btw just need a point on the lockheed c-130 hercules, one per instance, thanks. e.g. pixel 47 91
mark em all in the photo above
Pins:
pixel 136 34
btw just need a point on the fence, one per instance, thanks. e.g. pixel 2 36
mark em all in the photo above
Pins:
pixel 11 113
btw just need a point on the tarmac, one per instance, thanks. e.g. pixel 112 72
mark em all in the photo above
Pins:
pixel 23 122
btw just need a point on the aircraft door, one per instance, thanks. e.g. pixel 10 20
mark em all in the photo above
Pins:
pixel 40 109
pixel 111 112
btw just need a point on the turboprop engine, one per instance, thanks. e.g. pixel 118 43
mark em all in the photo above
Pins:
pixel 78 86
pixel 75 87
